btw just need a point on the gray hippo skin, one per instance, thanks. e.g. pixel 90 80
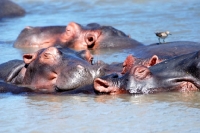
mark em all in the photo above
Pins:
pixel 153 54
pixel 75 36
pixel 181 73
pixel 9 9
pixel 51 70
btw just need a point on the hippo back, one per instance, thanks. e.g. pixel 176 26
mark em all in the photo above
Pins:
pixel 9 67
pixel 167 50
pixel 10 9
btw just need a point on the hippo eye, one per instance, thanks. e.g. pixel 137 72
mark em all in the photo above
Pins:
pixel 47 55
pixel 69 31
pixel 45 42
pixel 100 70
pixel 124 65
pixel 92 61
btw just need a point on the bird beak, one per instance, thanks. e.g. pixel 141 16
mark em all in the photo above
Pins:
pixel 170 34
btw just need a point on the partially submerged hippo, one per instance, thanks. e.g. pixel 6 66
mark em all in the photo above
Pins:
pixel 10 9
pixel 181 73
pixel 75 36
pixel 51 70
pixel 153 54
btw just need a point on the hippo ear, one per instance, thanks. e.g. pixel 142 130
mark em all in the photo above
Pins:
pixel 72 29
pixel 28 58
pixel 141 72
pixel 28 28
pixel 128 63
pixel 153 61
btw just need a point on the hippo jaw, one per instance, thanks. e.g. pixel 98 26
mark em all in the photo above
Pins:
pixel 77 76
pixel 182 84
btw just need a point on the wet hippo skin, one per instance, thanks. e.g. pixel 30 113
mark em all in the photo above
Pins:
pixel 75 36
pixel 51 70
pixel 180 73
pixel 154 54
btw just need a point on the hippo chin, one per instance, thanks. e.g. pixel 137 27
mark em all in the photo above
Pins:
pixel 181 73
pixel 75 36
pixel 51 70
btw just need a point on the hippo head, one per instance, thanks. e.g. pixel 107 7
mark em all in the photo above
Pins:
pixel 75 36
pixel 39 37
pixel 94 36
pixel 131 61
pixel 132 80
pixel 52 69
pixel 181 73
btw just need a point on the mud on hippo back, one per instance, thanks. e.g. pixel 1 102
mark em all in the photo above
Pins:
pixel 75 36
pixel 181 73
pixel 51 70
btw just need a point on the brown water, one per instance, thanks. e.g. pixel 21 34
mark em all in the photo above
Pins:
pixel 163 113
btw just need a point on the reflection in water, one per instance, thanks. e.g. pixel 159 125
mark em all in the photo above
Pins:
pixel 163 112
pixel 157 112
pixel 190 99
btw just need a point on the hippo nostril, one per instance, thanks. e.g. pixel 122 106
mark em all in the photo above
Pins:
pixel 100 83
pixel 52 50
pixel 90 39
pixel 53 76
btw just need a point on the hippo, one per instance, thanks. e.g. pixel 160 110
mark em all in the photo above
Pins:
pixel 75 36
pixel 181 73
pixel 9 9
pixel 51 70
pixel 153 54
pixel 15 89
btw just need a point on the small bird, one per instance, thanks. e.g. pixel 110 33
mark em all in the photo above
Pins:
pixel 162 35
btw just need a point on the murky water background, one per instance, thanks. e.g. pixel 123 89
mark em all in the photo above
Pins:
pixel 164 112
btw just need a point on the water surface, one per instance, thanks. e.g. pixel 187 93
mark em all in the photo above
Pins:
pixel 163 113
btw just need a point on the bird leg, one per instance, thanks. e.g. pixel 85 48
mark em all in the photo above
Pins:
pixel 159 40
pixel 163 40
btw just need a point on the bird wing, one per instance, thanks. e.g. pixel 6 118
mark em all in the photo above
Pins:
pixel 158 34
